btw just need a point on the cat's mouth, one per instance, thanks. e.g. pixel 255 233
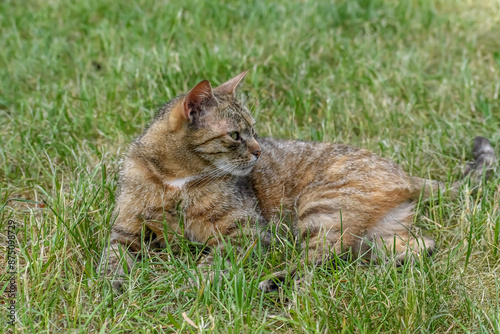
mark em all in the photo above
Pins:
pixel 243 169
pixel 239 168
pixel 246 168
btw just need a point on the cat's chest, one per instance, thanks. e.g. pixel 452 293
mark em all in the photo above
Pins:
pixel 205 194
pixel 209 210
pixel 179 184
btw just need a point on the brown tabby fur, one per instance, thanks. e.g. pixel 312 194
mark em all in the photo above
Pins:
pixel 186 165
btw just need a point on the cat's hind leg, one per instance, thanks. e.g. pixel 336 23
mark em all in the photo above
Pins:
pixel 393 236
pixel 339 225
pixel 324 230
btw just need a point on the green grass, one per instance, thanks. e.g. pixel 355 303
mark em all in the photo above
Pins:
pixel 413 80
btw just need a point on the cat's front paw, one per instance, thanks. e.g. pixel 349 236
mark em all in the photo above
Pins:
pixel 116 274
pixel 118 284
pixel 117 278
pixel 205 275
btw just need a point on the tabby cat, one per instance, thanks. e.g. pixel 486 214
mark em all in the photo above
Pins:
pixel 200 163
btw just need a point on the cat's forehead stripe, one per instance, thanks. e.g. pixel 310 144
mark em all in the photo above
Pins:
pixel 249 119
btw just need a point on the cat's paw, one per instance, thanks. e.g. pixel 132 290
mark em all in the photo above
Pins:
pixel 118 285
pixel 115 266
pixel 215 278
pixel 274 283
pixel 414 249
pixel 278 280
pixel 117 279
pixel 268 285
pixel 116 275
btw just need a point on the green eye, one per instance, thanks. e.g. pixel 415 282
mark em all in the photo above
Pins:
pixel 235 135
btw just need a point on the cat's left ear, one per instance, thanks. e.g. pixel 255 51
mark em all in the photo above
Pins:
pixel 230 86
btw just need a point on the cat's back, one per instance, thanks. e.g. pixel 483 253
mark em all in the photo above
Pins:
pixel 289 168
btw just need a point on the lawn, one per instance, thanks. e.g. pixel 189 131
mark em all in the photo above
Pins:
pixel 413 80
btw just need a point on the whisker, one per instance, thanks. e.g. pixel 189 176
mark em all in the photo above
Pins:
pixel 213 174
pixel 211 179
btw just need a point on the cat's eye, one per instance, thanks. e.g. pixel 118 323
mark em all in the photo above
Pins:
pixel 234 135
pixel 253 132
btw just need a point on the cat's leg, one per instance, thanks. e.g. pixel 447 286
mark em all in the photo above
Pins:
pixel 119 257
pixel 319 245
pixel 340 222
pixel 324 230
pixel 205 266
pixel 393 236
pixel 208 270
pixel 238 239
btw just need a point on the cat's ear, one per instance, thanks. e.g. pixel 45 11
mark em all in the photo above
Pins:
pixel 230 86
pixel 198 101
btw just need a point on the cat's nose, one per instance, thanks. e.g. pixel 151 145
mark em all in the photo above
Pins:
pixel 257 152
pixel 254 147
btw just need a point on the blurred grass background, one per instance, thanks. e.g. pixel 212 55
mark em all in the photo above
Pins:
pixel 413 80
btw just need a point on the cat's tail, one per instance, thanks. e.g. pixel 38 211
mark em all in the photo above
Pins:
pixel 480 169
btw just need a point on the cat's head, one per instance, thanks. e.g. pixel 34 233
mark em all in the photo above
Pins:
pixel 216 128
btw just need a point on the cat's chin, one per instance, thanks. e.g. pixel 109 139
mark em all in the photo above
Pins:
pixel 242 171
pixel 236 169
